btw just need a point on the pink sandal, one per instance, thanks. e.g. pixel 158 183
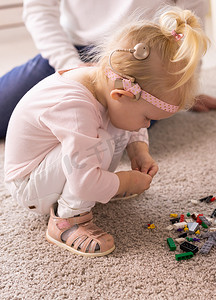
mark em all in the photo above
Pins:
pixel 124 197
pixel 79 235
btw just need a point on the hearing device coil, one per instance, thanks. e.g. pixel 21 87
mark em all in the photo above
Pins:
pixel 140 52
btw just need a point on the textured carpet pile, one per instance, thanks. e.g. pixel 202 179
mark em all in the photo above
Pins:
pixel 142 266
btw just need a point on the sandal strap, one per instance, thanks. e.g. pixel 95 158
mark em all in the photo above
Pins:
pixel 93 230
pixel 79 241
pixel 87 236
pixel 92 246
pixel 72 220
pixel 85 244
pixel 58 225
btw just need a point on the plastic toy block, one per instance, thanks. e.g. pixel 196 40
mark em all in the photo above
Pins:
pixel 209 235
pixel 183 235
pixel 213 215
pixel 192 227
pixel 173 215
pixel 180 229
pixel 188 220
pixel 182 218
pixel 198 219
pixel 171 244
pixel 204 225
pixel 180 240
pixel 175 220
pixel 205 235
pixel 170 227
pixel 203 199
pixel 186 229
pixel 207 246
pixel 204 220
pixel 197 232
pixel 193 216
pixel 179 225
pixel 189 239
pixel 188 247
pixel 196 240
pixel 188 214
pixel 151 226
pixel 213 199
pixel 184 256
pixel 206 198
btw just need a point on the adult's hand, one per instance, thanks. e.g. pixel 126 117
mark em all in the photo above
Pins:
pixel 204 103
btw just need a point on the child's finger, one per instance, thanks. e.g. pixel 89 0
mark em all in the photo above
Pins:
pixel 145 170
pixel 136 169
pixel 134 166
pixel 153 171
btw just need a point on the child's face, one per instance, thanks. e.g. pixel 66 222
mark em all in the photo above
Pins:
pixel 133 115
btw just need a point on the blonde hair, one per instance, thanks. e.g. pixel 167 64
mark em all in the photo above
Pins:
pixel 171 65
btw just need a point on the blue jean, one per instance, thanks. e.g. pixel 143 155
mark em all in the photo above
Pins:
pixel 16 83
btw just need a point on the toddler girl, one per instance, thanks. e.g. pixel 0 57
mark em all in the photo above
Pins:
pixel 67 134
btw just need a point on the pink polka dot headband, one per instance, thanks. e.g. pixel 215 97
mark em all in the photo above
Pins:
pixel 126 84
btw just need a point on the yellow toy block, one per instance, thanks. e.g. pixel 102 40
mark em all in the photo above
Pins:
pixel 152 226
pixel 173 215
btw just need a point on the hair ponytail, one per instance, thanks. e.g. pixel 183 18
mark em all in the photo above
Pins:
pixel 192 45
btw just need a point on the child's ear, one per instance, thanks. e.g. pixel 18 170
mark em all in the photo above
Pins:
pixel 117 94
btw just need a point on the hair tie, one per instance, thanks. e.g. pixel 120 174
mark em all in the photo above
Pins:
pixel 177 36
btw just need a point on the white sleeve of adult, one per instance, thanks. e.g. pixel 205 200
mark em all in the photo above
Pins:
pixel 42 19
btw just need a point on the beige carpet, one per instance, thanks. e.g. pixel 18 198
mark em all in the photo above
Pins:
pixel 142 266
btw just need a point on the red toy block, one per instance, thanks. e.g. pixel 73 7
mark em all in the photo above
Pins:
pixel 198 219
pixel 213 199
pixel 182 218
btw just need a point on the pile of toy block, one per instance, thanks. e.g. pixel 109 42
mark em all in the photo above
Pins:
pixel 191 229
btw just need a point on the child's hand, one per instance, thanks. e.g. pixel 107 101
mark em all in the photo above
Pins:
pixel 145 164
pixel 140 158
pixel 133 182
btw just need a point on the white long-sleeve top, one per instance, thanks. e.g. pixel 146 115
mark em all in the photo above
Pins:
pixel 60 110
pixel 57 25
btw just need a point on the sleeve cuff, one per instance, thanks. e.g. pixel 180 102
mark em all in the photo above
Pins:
pixel 140 136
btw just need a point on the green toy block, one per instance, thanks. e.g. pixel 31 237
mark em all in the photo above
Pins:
pixel 184 256
pixel 204 225
pixel 188 214
pixel 189 239
pixel 171 244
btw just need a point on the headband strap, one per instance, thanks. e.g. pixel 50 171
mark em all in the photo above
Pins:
pixel 135 89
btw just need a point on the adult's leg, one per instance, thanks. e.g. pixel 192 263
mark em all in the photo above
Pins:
pixel 16 83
